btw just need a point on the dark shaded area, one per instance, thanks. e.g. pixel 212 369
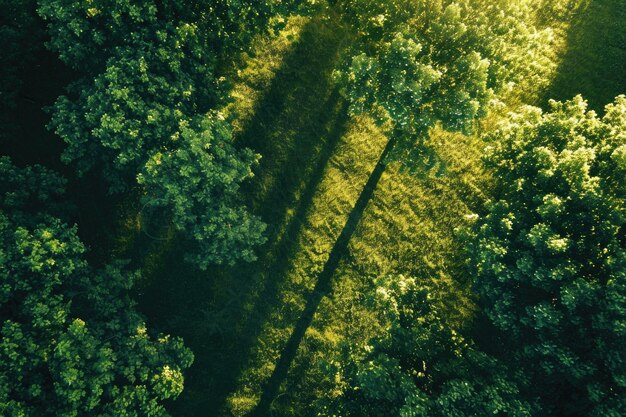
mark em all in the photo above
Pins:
pixel 33 79
pixel 30 142
pixel 595 62
pixel 220 313
pixel 322 287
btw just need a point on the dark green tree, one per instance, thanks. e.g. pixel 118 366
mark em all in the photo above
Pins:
pixel 149 78
pixel 71 342
pixel 197 184
pixel 420 367
pixel 550 256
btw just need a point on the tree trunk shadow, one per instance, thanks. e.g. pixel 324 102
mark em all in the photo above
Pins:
pixel 322 288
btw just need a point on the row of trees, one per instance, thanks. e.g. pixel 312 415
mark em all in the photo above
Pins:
pixel 549 260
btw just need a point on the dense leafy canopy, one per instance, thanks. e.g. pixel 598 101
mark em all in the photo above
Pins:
pixel 550 256
pixel 143 100
pixel 420 367
pixel 71 342
pixel 197 182
pixel 418 63
pixel 16 42
pixel 222 26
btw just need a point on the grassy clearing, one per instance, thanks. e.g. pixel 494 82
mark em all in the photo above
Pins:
pixel 408 227
pixel 411 227
pixel 333 198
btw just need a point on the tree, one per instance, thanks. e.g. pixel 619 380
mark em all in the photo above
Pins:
pixel 71 342
pixel 197 182
pixel 420 63
pixel 550 256
pixel 419 367
pixel 148 80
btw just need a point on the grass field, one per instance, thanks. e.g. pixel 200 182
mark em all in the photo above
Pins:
pixel 262 331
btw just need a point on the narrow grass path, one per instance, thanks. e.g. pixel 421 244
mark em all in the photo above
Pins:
pixel 315 162
pixel 322 287
pixel 304 235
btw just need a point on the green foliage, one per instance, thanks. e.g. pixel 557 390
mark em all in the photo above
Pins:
pixel 80 28
pixel 142 101
pixel 133 96
pixel 34 188
pixel 153 70
pixel 550 256
pixel 197 182
pixel 71 342
pixel 422 63
pixel 420 366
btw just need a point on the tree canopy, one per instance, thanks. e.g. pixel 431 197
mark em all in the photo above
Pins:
pixel 71 342
pixel 420 367
pixel 143 100
pixel 419 63
pixel 550 256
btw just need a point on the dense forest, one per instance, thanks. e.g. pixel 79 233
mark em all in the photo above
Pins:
pixel 325 208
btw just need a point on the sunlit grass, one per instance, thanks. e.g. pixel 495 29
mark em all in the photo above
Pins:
pixel 342 181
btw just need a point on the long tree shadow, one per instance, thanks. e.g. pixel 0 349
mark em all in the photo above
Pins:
pixel 296 128
pixel 594 62
pixel 284 250
pixel 322 288
pixel 291 120
pixel 220 313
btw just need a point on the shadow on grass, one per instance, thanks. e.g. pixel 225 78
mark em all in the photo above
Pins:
pixel 220 313
pixel 322 288
pixel 595 61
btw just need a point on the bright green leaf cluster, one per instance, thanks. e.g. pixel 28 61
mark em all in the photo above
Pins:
pixel 71 342
pixel 419 63
pixel 420 367
pixel 550 256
